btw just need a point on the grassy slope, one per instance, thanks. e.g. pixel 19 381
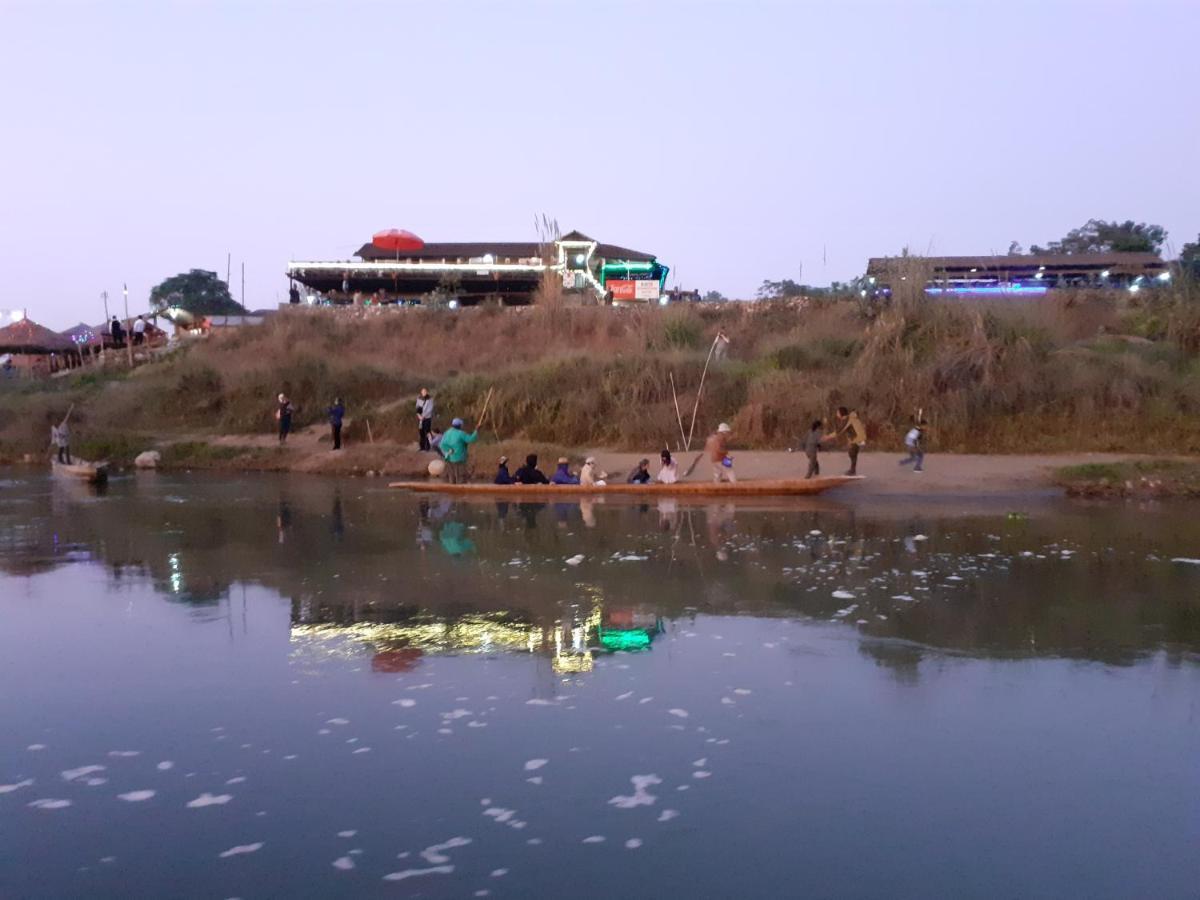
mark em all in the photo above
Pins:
pixel 1080 373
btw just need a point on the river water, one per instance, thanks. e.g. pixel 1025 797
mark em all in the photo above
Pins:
pixel 272 686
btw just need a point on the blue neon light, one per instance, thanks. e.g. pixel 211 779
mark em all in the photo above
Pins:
pixel 990 289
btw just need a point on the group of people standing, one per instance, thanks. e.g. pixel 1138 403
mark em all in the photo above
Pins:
pixel 119 333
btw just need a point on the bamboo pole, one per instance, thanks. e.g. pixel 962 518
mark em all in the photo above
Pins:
pixel 699 393
pixel 678 414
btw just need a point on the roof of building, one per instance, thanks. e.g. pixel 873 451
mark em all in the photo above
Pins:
pixel 27 336
pixel 497 249
pixel 1118 261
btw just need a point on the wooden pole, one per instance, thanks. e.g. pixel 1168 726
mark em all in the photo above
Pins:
pixel 699 392
pixel 486 403
pixel 128 327
pixel 678 415
pixel 370 436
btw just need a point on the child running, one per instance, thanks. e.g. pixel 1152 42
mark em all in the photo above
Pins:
pixel 915 442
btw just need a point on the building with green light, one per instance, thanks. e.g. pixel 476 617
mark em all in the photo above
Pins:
pixel 588 270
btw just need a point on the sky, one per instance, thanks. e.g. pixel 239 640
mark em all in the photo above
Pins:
pixel 739 141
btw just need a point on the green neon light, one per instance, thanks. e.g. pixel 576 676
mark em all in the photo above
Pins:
pixel 628 641
pixel 628 266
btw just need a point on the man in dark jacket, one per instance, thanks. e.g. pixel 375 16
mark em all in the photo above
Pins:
pixel 640 475
pixel 530 473
pixel 336 413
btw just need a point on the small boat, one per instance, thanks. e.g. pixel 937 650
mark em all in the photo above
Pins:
pixel 791 487
pixel 81 470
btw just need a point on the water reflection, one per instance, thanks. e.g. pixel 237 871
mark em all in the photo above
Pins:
pixel 1092 583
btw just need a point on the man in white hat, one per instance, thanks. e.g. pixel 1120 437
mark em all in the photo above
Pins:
pixel 716 448
pixel 590 475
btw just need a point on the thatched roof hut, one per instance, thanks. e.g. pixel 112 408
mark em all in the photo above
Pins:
pixel 28 337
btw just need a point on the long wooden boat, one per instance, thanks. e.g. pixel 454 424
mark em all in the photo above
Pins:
pixel 766 488
pixel 81 470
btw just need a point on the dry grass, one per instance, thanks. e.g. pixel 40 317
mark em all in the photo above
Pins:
pixel 1085 371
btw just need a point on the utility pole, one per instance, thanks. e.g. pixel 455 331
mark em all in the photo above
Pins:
pixel 243 285
pixel 104 296
pixel 228 263
pixel 128 327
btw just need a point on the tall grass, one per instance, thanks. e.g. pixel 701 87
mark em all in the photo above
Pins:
pixel 1096 371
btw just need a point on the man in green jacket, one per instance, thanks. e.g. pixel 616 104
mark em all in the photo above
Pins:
pixel 454 448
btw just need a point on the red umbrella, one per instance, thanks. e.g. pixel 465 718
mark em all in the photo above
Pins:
pixel 397 239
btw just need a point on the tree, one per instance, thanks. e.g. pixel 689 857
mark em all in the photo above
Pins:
pixel 1015 249
pixel 1189 258
pixel 777 290
pixel 198 292
pixel 1099 236
pixel 714 297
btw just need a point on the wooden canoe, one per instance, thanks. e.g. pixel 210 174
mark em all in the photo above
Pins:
pixel 775 488
pixel 81 470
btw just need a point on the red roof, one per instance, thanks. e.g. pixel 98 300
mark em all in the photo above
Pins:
pixel 27 336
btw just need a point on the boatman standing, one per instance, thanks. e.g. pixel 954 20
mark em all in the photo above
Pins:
pixel 716 448
pixel 454 449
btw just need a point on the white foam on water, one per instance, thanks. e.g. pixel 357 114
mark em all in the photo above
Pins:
pixel 291 756
pixel 238 779
pixel 136 796
pixel 436 854
pixel 363 750
pixel 49 804
pixel 348 834
pixel 344 863
pixel 81 772
pixel 678 713
pixel 842 613
pixel 645 700
pixel 241 849
pixel 483 892
pixel 405 702
pixel 906 598
pixel 474 724
pixel 594 839
pixel 337 721
pixel 207 799
pixel 1186 561
pixel 165 766
pixel 534 764
pixel 702 774
pixel 842 595
pixel 700 763
pixel 499 873
pixel 36 747
pixel 445 731
pixel 575 560
pixel 633 558
pixel 742 691
pixel 534 841
pixel 640 796
pixel 9 788
pixel 728 701
pixel 124 753
pixel 536 779
pixel 633 843
pixel 668 814
pixel 538 701
pixel 920 537
pixel 624 696
pixel 499 813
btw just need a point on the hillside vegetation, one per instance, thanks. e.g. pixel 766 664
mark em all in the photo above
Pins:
pixel 1079 371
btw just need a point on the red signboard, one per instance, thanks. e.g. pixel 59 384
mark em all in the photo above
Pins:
pixel 622 290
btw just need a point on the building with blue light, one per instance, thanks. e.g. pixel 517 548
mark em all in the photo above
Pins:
pixel 1017 275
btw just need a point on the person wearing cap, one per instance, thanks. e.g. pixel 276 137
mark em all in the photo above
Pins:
pixel 640 475
pixel 668 471
pixel 502 476
pixel 562 475
pixel 454 449
pixel 590 475
pixel 716 448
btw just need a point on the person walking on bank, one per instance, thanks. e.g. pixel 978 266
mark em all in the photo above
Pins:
pixel 283 415
pixel 424 418
pixel 915 442
pixel 454 449
pixel 849 424
pixel 336 413
pixel 812 447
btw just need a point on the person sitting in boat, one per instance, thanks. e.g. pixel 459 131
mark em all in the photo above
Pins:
pixel 640 475
pixel 562 475
pixel 668 472
pixel 530 473
pixel 590 475
pixel 502 476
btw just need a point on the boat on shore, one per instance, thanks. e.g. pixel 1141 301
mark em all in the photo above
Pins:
pixel 81 471
pixel 790 487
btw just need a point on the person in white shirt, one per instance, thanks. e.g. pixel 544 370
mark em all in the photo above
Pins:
pixel 139 330
pixel 590 475
pixel 668 472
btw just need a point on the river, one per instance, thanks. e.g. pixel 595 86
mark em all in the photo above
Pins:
pixel 277 686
